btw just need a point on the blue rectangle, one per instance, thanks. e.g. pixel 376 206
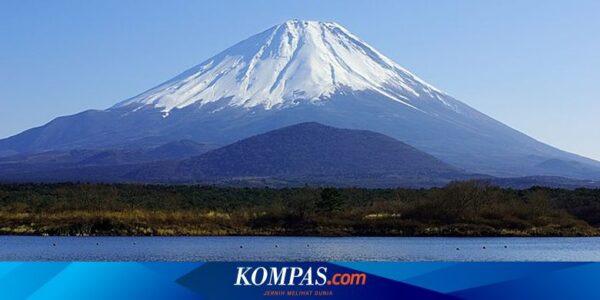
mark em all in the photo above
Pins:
pixel 332 280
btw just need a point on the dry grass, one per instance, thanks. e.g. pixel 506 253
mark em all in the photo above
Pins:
pixel 461 209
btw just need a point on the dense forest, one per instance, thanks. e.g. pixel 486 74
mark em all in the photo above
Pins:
pixel 469 208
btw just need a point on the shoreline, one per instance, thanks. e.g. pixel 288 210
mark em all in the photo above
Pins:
pixel 258 235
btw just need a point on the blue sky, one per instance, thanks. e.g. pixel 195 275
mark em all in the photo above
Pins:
pixel 534 65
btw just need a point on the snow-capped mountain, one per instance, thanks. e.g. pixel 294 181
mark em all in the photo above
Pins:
pixel 306 71
pixel 289 63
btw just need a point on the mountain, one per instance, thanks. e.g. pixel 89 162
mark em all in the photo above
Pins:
pixel 306 153
pixel 71 163
pixel 298 154
pixel 305 71
pixel 312 150
pixel 557 167
pixel 543 181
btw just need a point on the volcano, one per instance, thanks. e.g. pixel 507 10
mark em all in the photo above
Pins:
pixel 297 72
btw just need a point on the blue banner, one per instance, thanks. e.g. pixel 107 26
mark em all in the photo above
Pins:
pixel 260 280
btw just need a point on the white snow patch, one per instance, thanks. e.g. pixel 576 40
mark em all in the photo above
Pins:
pixel 289 63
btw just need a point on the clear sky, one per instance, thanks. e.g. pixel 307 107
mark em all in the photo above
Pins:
pixel 534 65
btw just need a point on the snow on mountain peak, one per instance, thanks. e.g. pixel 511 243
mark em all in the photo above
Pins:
pixel 292 62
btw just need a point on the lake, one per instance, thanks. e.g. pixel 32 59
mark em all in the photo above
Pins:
pixel 25 248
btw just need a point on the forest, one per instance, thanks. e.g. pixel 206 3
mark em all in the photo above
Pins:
pixel 469 208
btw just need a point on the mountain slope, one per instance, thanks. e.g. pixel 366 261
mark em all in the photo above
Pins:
pixel 315 149
pixel 310 152
pixel 306 153
pixel 303 153
pixel 305 71
pixel 34 166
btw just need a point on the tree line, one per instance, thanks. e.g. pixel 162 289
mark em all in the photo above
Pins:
pixel 471 208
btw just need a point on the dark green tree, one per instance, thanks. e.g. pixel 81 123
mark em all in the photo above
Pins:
pixel 331 200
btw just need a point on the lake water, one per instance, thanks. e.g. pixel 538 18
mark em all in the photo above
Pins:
pixel 298 249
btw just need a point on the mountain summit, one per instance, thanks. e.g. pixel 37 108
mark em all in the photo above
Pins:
pixel 289 63
pixel 305 71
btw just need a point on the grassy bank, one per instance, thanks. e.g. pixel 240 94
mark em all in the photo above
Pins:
pixel 460 209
